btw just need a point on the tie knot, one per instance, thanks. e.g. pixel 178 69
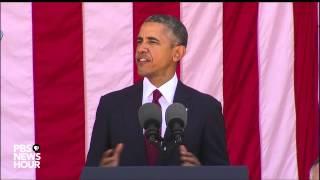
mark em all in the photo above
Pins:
pixel 156 96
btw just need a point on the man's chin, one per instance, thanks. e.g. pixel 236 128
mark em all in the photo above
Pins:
pixel 143 74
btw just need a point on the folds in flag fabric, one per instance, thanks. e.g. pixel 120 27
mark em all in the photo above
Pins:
pixel 260 60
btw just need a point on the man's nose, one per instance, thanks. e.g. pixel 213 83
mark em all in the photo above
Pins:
pixel 141 48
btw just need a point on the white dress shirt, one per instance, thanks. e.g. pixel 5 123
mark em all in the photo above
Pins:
pixel 167 90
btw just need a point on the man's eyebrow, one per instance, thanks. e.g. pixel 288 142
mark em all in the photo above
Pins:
pixel 153 39
pixel 150 38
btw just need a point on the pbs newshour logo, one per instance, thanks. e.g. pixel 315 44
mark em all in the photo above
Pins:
pixel 26 156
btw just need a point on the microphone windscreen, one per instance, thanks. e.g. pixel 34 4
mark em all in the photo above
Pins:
pixel 149 112
pixel 177 111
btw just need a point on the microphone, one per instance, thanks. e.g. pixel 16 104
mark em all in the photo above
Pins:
pixel 150 119
pixel 176 119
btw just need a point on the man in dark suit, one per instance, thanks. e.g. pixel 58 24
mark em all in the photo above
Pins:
pixel 118 139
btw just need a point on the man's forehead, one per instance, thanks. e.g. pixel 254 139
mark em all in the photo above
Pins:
pixel 155 30
pixel 152 28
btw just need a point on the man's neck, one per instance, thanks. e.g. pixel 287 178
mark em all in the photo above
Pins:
pixel 159 81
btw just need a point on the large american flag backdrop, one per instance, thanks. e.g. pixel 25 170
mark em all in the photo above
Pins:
pixel 260 60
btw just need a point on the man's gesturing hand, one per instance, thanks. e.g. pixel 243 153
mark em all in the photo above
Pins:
pixel 187 158
pixel 111 157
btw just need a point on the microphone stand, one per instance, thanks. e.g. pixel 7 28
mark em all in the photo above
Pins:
pixel 164 145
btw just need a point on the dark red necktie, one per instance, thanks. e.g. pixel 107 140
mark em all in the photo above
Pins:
pixel 152 150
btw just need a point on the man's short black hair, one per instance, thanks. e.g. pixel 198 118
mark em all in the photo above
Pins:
pixel 176 26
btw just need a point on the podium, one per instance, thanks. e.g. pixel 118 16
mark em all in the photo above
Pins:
pixel 165 173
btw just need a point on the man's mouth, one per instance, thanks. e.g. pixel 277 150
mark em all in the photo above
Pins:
pixel 143 60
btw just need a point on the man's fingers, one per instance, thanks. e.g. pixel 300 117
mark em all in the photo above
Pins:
pixel 187 158
pixel 191 160
pixel 188 154
pixel 107 153
pixel 187 164
pixel 107 161
pixel 111 157
pixel 114 160
pixel 111 152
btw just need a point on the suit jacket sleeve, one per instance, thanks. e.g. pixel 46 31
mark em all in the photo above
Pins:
pixel 99 138
pixel 213 150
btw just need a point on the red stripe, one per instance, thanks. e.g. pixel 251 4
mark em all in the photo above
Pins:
pixel 241 86
pixel 306 87
pixel 140 12
pixel 58 89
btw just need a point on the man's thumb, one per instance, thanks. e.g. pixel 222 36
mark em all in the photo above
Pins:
pixel 183 148
pixel 118 149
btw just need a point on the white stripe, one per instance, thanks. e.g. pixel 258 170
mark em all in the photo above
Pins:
pixel 202 66
pixel 277 105
pixel 17 107
pixel 108 53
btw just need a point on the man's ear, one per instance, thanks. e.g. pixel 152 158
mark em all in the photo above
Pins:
pixel 179 52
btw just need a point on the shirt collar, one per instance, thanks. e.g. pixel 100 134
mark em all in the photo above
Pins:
pixel 167 89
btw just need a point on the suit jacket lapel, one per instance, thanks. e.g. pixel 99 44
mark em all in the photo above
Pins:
pixel 181 96
pixel 134 101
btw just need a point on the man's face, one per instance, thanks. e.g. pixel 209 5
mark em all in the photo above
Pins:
pixel 155 51
pixel 315 172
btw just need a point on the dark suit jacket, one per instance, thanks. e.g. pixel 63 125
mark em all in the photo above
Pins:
pixel 117 122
